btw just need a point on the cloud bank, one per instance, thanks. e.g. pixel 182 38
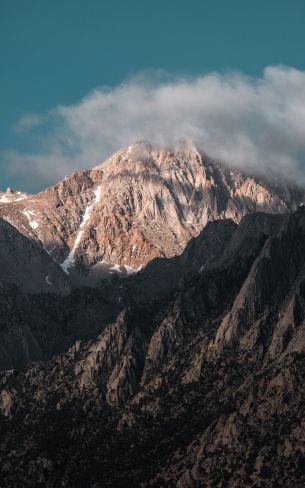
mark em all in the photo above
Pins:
pixel 256 124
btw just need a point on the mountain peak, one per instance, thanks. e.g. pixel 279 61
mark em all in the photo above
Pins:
pixel 145 201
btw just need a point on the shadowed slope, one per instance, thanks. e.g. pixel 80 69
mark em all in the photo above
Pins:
pixel 203 386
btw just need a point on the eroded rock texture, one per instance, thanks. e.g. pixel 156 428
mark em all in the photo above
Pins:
pixel 200 384
pixel 143 202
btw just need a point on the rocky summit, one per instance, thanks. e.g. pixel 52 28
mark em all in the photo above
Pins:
pixel 152 328
pixel 144 202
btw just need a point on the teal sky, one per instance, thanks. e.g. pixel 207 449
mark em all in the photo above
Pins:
pixel 55 51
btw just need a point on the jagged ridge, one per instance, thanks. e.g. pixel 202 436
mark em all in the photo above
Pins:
pixel 143 202
pixel 201 386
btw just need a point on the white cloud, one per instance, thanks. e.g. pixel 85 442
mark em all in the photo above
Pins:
pixel 28 122
pixel 257 124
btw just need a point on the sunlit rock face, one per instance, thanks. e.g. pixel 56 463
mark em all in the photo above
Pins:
pixel 141 203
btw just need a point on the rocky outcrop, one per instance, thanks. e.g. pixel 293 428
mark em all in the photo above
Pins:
pixel 111 362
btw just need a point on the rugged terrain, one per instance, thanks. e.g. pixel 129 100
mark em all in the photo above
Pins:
pixel 195 378
pixel 142 203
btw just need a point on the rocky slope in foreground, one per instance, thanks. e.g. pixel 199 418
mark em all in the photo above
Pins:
pixel 143 202
pixel 202 385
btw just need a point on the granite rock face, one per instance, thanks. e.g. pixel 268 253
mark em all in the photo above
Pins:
pixel 144 202
pixel 199 385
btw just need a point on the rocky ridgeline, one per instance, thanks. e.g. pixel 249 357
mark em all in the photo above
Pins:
pixel 142 203
pixel 200 384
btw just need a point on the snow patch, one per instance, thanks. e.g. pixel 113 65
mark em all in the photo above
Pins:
pixel 12 197
pixel 29 214
pixel 70 261
pixel 22 197
pixel 7 219
pixel 116 268
pixel 131 271
pixel 48 280
pixel 5 199
pixel 98 193
pixel 122 269
pixel 34 224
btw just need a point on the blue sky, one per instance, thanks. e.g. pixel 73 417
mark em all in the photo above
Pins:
pixel 56 52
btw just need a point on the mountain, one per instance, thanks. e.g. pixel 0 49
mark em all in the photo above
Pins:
pixel 200 384
pixel 152 327
pixel 144 202
pixel 35 327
